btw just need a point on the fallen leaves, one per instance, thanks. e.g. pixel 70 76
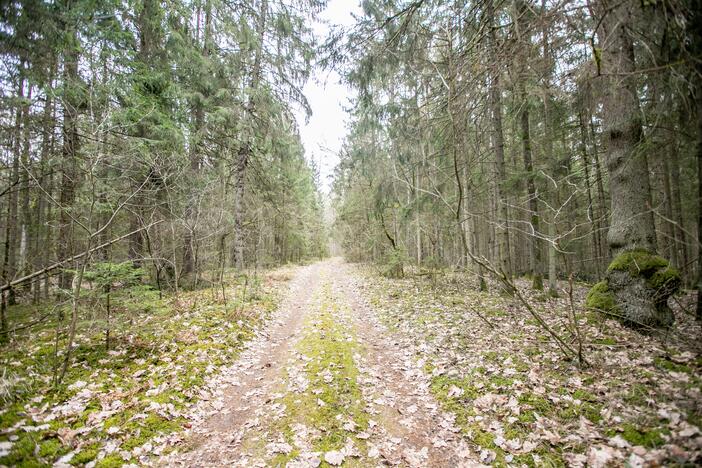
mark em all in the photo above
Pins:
pixel 138 391
pixel 633 405
pixel 334 458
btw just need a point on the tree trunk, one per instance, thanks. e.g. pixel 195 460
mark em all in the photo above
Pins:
pixel 534 241
pixel 680 234
pixel 499 148
pixel 198 119
pixel 632 220
pixel 41 257
pixel 548 152
pixel 594 220
pixel 9 269
pixel 26 225
pixel 699 202
pixel 69 165
pixel 632 236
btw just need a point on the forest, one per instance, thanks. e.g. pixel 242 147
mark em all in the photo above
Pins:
pixel 503 267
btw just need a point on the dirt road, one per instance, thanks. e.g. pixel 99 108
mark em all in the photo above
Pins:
pixel 324 384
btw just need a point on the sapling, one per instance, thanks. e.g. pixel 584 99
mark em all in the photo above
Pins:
pixel 107 276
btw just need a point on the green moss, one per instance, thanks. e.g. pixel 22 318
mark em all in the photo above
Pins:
pixel 665 279
pixel 330 345
pixel 536 402
pixel 483 438
pixel 588 410
pixel 51 449
pixel 110 461
pixel 584 395
pixel 440 386
pixel 11 416
pixel 498 381
pixel 637 394
pixel 650 438
pixel 657 272
pixel 32 361
pixel 86 455
pixel 637 263
pixel 668 365
pixel 605 341
pixel 144 430
pixel 22 451
pixel 600 298
pixel 526 417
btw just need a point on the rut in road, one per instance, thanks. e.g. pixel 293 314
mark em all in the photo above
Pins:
pixel 324 383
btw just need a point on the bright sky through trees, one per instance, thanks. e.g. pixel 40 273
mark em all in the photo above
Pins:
pixel 322 135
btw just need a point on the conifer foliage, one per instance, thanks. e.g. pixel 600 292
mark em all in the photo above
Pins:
pixel 171 123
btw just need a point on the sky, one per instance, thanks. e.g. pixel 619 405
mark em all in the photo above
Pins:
pixel 323 135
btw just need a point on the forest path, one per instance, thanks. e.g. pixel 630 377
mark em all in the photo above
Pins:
pixel 326 383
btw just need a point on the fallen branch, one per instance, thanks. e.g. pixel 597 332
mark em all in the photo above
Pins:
pixel 56 265
pixel 565 348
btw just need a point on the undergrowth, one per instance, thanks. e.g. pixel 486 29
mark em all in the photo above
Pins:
pixel 120 405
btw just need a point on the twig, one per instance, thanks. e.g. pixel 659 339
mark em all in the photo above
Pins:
pixel 574 319
pixel 565 348
pixel 482 317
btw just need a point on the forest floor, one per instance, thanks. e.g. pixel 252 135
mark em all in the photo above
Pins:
pixel 343 366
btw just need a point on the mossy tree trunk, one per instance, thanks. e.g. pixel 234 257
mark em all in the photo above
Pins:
pixel 638 282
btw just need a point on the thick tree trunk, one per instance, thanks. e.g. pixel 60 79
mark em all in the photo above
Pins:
pixel 699 202
pixel 632 219
pixel 638 282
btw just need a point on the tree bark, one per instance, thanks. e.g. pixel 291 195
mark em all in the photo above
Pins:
pixel 69 165
pixel 534 243
pixel 9 269
pixel 639 301
pixel 502 231
pixel 594 220
pixel 198 119
pixel 632 219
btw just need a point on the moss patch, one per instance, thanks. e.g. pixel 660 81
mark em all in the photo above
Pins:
pixel 665 279
pixel 637 263
pixel 650 438
pixel 659 275
pixel 600 298
pixel 329 347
